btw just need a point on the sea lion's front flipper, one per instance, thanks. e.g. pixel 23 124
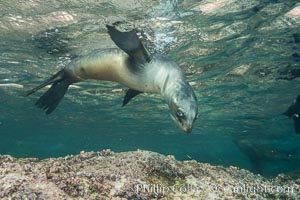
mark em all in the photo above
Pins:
pixel 296 119
pixel 129 95
pixel 130 43
pixel 290 111
pixel 294 112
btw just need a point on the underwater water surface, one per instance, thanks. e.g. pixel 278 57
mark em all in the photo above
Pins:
pixel 241 57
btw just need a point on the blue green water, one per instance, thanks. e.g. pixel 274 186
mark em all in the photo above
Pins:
pixel 238 57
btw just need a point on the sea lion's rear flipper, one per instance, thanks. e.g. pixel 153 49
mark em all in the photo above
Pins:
pixel 129 95
pixel 49 100
pixel 130 43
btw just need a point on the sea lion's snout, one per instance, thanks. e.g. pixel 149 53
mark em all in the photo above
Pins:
pixel 187 129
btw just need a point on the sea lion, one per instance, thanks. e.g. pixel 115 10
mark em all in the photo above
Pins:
pixel 294 112
pixel 259 154
pixel 133 67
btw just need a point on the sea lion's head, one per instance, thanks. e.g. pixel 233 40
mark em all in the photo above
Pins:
pixel 184 107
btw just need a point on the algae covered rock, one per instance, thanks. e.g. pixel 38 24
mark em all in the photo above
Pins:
pixel 134 175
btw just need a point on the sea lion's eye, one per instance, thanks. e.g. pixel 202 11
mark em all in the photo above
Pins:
pixel 179 113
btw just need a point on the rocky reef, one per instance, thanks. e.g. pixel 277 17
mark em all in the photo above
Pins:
pixel 134 175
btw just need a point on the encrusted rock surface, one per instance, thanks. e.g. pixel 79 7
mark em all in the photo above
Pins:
pixel 134 175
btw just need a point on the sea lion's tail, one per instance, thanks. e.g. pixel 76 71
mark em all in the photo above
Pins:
pixel 50 99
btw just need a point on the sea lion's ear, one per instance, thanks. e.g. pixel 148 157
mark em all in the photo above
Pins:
pixel 130 43
pixel 129 95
